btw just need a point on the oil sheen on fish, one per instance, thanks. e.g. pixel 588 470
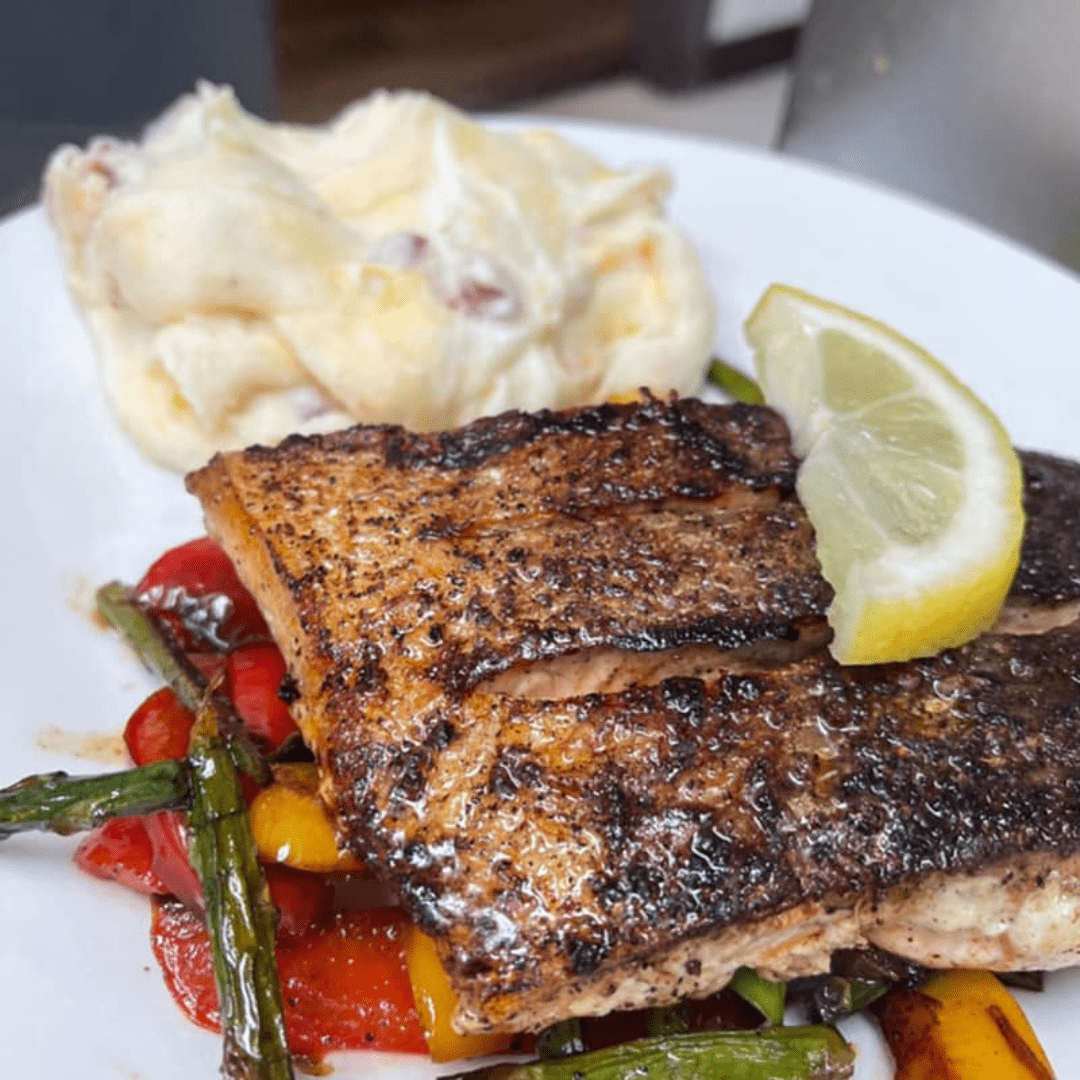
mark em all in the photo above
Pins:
pixel 559 672
pixel 1046 590
pixel 399 571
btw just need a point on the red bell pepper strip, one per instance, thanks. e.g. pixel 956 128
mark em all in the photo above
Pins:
pixel 303 900
pixel 158 729
pixel 121 851
pixel 185 588
pixel 344 982
pixel 253 677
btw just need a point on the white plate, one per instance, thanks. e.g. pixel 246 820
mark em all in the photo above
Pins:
pixel 79 992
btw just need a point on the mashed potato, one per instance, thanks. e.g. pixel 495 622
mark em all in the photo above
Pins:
pixel 243 280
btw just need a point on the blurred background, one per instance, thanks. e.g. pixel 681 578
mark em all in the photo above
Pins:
pixel 488 54
pixel 969 104
pixel 74 69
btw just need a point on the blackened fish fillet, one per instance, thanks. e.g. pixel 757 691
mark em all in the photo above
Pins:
pixel 399 571
pixel 1046 590
pixel 627 849
pixel 539 663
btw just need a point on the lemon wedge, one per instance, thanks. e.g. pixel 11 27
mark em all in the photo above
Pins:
pixel 910 481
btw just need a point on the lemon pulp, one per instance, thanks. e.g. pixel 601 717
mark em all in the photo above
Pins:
pixel 910 481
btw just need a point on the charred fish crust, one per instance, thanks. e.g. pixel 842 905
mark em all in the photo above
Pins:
pixel 616 812
pixel 747 445
pixel 289 690
pixel 639 585
pixel 1050 559
pixel 713 857
pixel 439 527
pixel 694 875
pixel 404 767
pixel 585 954
pixel 417 855
pixel 682 754
pixel 509 646
pixel 408 773
pixel 477 612
pixel 907 803
pixel 423 902
pixel 477 966
pixel 366 668
pixel 514 768
pixel 639 885
pixel 492 438
pixel 691 428
pixel 741 687
pixel 765 797
pixel 476 445
pixel 381 574
pixel 356 770
pixel 441 735
pixel 685 698
pixel 834 784
pixel 994 778
pixel 357 671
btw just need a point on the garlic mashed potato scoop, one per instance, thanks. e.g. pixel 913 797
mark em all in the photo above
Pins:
pixel 243 280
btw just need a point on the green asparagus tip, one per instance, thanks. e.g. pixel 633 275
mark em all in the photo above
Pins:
pixel 734 383
pixel 766 996
pixel 56 802
pixel 163 656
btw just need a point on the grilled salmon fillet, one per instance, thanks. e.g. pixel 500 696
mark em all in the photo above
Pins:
pixel 562 674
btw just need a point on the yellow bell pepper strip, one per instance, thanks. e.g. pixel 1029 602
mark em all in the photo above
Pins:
pixel 961 1025
pixel 435 1002
pixel 290 824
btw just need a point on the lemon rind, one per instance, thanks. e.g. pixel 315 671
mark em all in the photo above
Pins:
pixel 934 595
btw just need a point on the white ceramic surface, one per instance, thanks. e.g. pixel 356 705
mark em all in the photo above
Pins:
pixel 79 992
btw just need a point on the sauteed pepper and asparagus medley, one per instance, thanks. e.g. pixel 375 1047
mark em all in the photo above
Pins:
pixel 220 771
pixel 221 774
pixel 265 930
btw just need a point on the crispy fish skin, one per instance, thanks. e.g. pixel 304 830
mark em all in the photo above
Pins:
pixel 1050 559
pixel 1046 590
pixel 398 571
pixel 576 852
pixel 576 844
